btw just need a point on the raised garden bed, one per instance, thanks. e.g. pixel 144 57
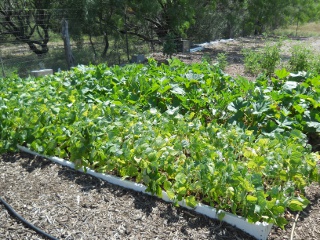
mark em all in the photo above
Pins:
pixel 187 130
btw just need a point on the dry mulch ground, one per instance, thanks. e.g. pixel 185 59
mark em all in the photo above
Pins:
pixel 232 48
pixel 71 205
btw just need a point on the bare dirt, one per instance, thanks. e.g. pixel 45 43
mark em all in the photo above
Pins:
pixel 232 48
pixel 71 205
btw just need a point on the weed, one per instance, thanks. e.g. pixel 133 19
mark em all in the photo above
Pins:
pixel 252 61
pixel 300 59
pixel 222 60
pixel 206 58
pixel 315 63
pixel 270 58
pixel 169 46
pixel 264 61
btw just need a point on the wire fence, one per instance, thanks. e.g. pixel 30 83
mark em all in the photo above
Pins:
pixel 17 57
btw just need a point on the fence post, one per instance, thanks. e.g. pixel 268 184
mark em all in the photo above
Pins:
pixel 3 73
pixel 127 42
pixel 67 46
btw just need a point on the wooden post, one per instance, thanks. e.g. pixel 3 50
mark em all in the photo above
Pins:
pixel 3 73
pixel 67 46
pixel 125 24
pixel 1 61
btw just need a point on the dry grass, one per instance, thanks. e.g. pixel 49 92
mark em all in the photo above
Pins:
pixel 311 29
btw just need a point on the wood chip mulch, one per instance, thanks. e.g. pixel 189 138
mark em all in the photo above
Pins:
pixel 71 205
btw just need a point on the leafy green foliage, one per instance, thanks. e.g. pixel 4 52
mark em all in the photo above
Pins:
pixel 222 60
pixel 190 130
pixel 169 46
pixel 300 59
pixel 264 61
pixel 271 58
pixel 252 61
pixel 304 59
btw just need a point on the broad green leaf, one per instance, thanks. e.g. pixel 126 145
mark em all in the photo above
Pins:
pixel 167 185
pixel 251 199
pixel 295 205
pixel 298 203
pixel 278 210
pixel 182 190
pixel 289 85
pixel 221 214
pixel 181 178
pixel 281 222
pixel 177 90
pixel 170 194
pixel 159 191
pixel 256 179
pixel 282 73
pixel 191 201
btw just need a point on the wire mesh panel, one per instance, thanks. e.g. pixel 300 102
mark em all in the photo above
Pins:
pixel 32 40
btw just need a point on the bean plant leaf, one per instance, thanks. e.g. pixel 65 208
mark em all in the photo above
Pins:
pixel 191 201
pixel 189 130
pixel 177 90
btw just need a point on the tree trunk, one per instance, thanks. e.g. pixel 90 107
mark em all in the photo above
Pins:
pixel 33 47
pixel 106 46
pixel 92 45
pixel 67 46
pixel 19 25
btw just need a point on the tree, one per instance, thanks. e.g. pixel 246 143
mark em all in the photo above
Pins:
pixel 266 15
pixel 269 15
pixel 230 17
pixel 303 11
pixel 103 18
pixel 161 18
pixel 27 21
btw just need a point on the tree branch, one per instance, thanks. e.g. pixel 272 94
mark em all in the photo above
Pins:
pixel 145 38
pixel 19 24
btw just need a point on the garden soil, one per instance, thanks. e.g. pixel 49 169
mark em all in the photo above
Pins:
pixel 71 205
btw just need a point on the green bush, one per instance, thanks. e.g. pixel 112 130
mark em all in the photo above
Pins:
pixel 206 58
pixel 169 46
pixel 315 63
pixel 264 61
pixel 252 61
pixel 270 58
pixel 300 59
pixel 222 60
